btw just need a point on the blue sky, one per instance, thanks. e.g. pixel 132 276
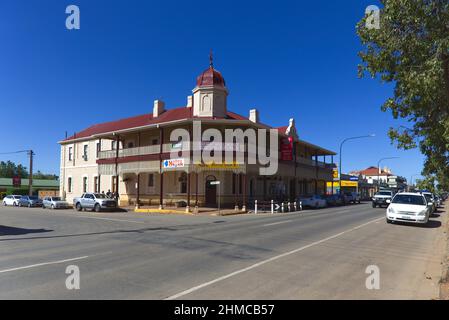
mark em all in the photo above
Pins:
pixel 287 58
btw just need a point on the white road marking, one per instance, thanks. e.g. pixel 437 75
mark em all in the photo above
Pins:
pixel 43 264
pixel 276 223
pixel 121 220
pixel 196 288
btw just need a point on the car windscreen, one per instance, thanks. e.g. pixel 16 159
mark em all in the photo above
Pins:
pixel 100 196
pixel 409 199
pixel 384 193
pixel 34 198
pixel 428 197
pixel 56 199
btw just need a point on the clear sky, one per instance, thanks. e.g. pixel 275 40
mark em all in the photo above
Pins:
pixel 286 58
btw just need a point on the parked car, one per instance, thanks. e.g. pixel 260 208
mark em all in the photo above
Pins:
pixel 30 201
pixel 334 200
pixel 430 200
pixel 438 201
pixel 382 198
pixel 352 197
pixel 12 200
pixel 409 207
pixel 54 203
pixel 314 201
pixel 94 201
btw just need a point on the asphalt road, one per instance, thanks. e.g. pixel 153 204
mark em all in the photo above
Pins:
pixel 316 254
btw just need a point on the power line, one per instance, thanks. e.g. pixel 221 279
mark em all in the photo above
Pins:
pixel 14 152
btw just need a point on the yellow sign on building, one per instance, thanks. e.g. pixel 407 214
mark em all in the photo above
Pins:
pixel 335 173
pixel 344 183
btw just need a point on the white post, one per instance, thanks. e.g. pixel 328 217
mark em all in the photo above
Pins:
pixel 282 207
pixel 255 207
pixel 219 199
pixel 295 206
pixel 272 207
pixel 288 207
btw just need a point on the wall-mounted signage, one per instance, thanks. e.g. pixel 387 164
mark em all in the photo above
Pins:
pixel 16 182
pixel 173 163
pixel 287 149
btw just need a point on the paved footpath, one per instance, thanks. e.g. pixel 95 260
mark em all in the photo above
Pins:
pixel 316 254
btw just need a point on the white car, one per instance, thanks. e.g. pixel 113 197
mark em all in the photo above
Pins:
pixel 409 207
pixel 12 200
pixel 315 201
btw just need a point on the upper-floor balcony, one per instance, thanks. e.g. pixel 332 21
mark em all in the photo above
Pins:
pixel 178 147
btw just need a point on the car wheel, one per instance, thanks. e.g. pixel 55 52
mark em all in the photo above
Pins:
pixel 97 208
pixel 29 205
pixel 4 203
pixel 53 207
pixel 78 207
pixel 374 205
pixel 389 221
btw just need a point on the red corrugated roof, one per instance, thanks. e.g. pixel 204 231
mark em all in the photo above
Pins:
pixel 373 171
pixel 282 129
pixel 142 120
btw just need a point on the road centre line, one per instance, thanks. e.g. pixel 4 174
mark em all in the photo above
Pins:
pixel 276 223
pixel 110 219
pixel 256 265
pixel 43 264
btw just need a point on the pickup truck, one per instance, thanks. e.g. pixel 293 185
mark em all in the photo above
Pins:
pixel 382 198
pixel 94 201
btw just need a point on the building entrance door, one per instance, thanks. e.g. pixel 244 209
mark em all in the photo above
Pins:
pixel 211 192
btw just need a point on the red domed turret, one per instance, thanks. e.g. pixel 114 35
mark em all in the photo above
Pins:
pixel 210 77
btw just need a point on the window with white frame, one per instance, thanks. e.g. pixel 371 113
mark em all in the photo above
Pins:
pixel 85 152
pixel 84 184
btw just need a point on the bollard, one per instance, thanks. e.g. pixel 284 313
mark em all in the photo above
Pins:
pixel 288 207
pixel 294 205
pixel 255 207
pixel 272 207
pixel 282 207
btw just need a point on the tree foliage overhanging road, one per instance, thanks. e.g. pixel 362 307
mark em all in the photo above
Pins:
pixel 411 50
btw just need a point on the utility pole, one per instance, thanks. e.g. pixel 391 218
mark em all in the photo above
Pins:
pixel 30 177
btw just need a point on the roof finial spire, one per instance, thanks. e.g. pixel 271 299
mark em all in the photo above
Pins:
pixel 211 59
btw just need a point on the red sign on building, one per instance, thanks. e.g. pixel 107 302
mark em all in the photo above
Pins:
pixel 287 149
pixel 16 182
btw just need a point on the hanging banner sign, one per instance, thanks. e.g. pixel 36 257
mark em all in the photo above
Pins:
pixel 287 149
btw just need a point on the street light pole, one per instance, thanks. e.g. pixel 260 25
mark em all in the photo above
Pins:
pixel 341 147
pixel 411 179
pixel 378 170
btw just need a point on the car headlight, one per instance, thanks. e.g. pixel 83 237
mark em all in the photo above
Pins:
pixel 422 213
pixel 391 210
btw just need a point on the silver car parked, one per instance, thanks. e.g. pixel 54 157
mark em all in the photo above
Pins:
pixel 54 203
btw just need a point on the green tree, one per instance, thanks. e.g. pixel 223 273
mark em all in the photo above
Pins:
pixel 427 183
pixel 10 169
pixel 411 51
